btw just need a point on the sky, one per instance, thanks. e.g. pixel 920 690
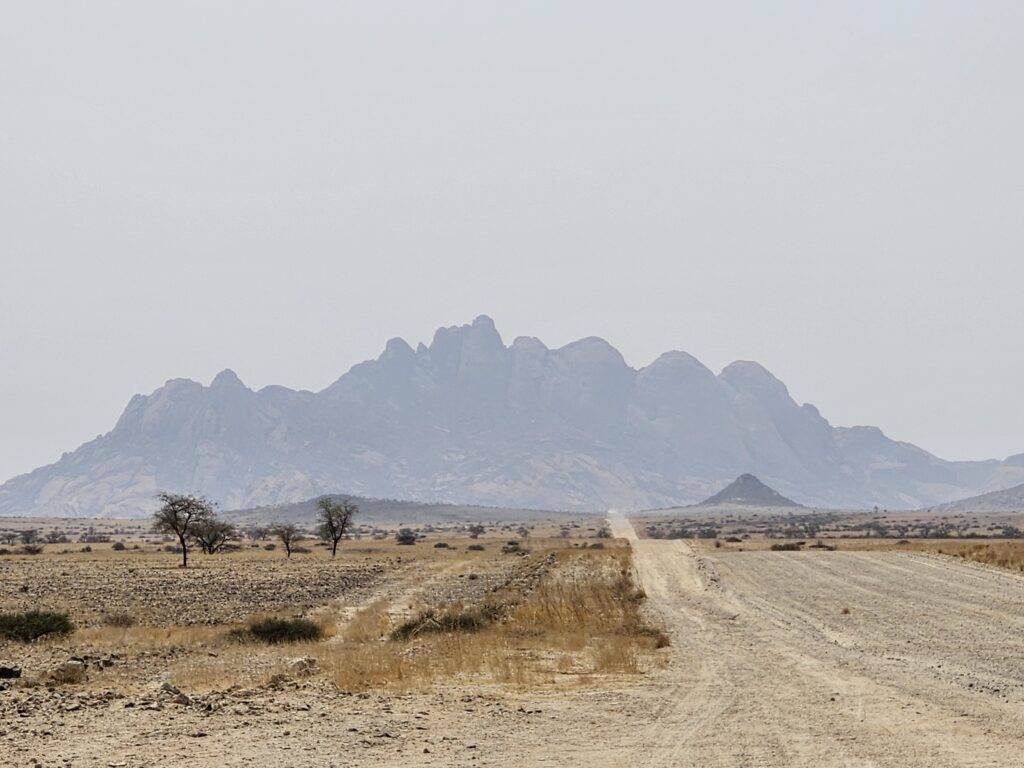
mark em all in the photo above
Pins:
pixel 834 190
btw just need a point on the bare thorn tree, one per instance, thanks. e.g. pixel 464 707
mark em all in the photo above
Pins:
pixel 213 534
pixel 288 534
pixel 179 515
pixel 335 518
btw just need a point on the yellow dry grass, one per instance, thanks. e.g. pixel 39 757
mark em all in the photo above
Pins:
pixel 1003 554
pixel 147 638
pixel 584 618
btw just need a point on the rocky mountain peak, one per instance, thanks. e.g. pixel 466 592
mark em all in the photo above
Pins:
pixel 227 379
pixel 749 491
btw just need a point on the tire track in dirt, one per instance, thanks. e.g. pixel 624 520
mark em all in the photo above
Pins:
pixel 765 673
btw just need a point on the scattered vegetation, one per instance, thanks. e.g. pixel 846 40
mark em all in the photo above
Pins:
pixel 1003 554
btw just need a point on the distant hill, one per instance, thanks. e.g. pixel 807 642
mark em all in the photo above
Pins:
pixel 1007 500
pixel 387 511
pixel 747 490
pixel 469 419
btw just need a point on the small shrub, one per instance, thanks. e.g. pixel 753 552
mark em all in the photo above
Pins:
pixel 733 540
pixel 275 631
pixel 792 546
pixel 4 551
pixel 475 548
pixel 451 620
pixel 118 546
pixel 121 619
pixel 441 545
pixel 86 548
pixel 32 549
pixel 405 537
pixel 32 625
pixel 270 547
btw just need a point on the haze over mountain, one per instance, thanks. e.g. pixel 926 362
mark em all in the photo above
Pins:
pixel 471 420
pixel 1006 500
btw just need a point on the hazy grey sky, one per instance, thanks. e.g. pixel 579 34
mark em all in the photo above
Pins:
pixel 835 192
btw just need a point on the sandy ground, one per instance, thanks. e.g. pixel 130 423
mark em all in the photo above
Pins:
pixel 925 669
pixel 846 659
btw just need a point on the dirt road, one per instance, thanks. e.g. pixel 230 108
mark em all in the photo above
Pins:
pixel 833 659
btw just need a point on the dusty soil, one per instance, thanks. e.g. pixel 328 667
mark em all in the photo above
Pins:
pixel 834 659
pixel 845 659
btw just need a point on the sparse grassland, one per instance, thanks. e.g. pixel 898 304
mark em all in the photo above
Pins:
pixel 1003 554
pixel 380 616
pixel 584 617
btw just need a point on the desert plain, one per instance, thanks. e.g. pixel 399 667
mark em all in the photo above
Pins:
pixel 574 641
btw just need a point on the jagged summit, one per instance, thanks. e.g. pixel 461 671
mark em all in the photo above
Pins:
pixel 748 491
pixel 227 378
pixel 472 420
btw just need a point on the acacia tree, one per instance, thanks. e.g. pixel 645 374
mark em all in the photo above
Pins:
pixel 255 532
pixel 213 534
pixel 288 534
pixel 29 536
pixel 335 518
pixel 179 515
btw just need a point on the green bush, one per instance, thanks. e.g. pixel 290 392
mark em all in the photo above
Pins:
pixel 276 631
pixel 32 625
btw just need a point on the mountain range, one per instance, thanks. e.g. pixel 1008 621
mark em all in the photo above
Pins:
pixel 1007 500
pixel 469 419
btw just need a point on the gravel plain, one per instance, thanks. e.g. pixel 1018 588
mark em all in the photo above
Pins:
pixel 835 659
